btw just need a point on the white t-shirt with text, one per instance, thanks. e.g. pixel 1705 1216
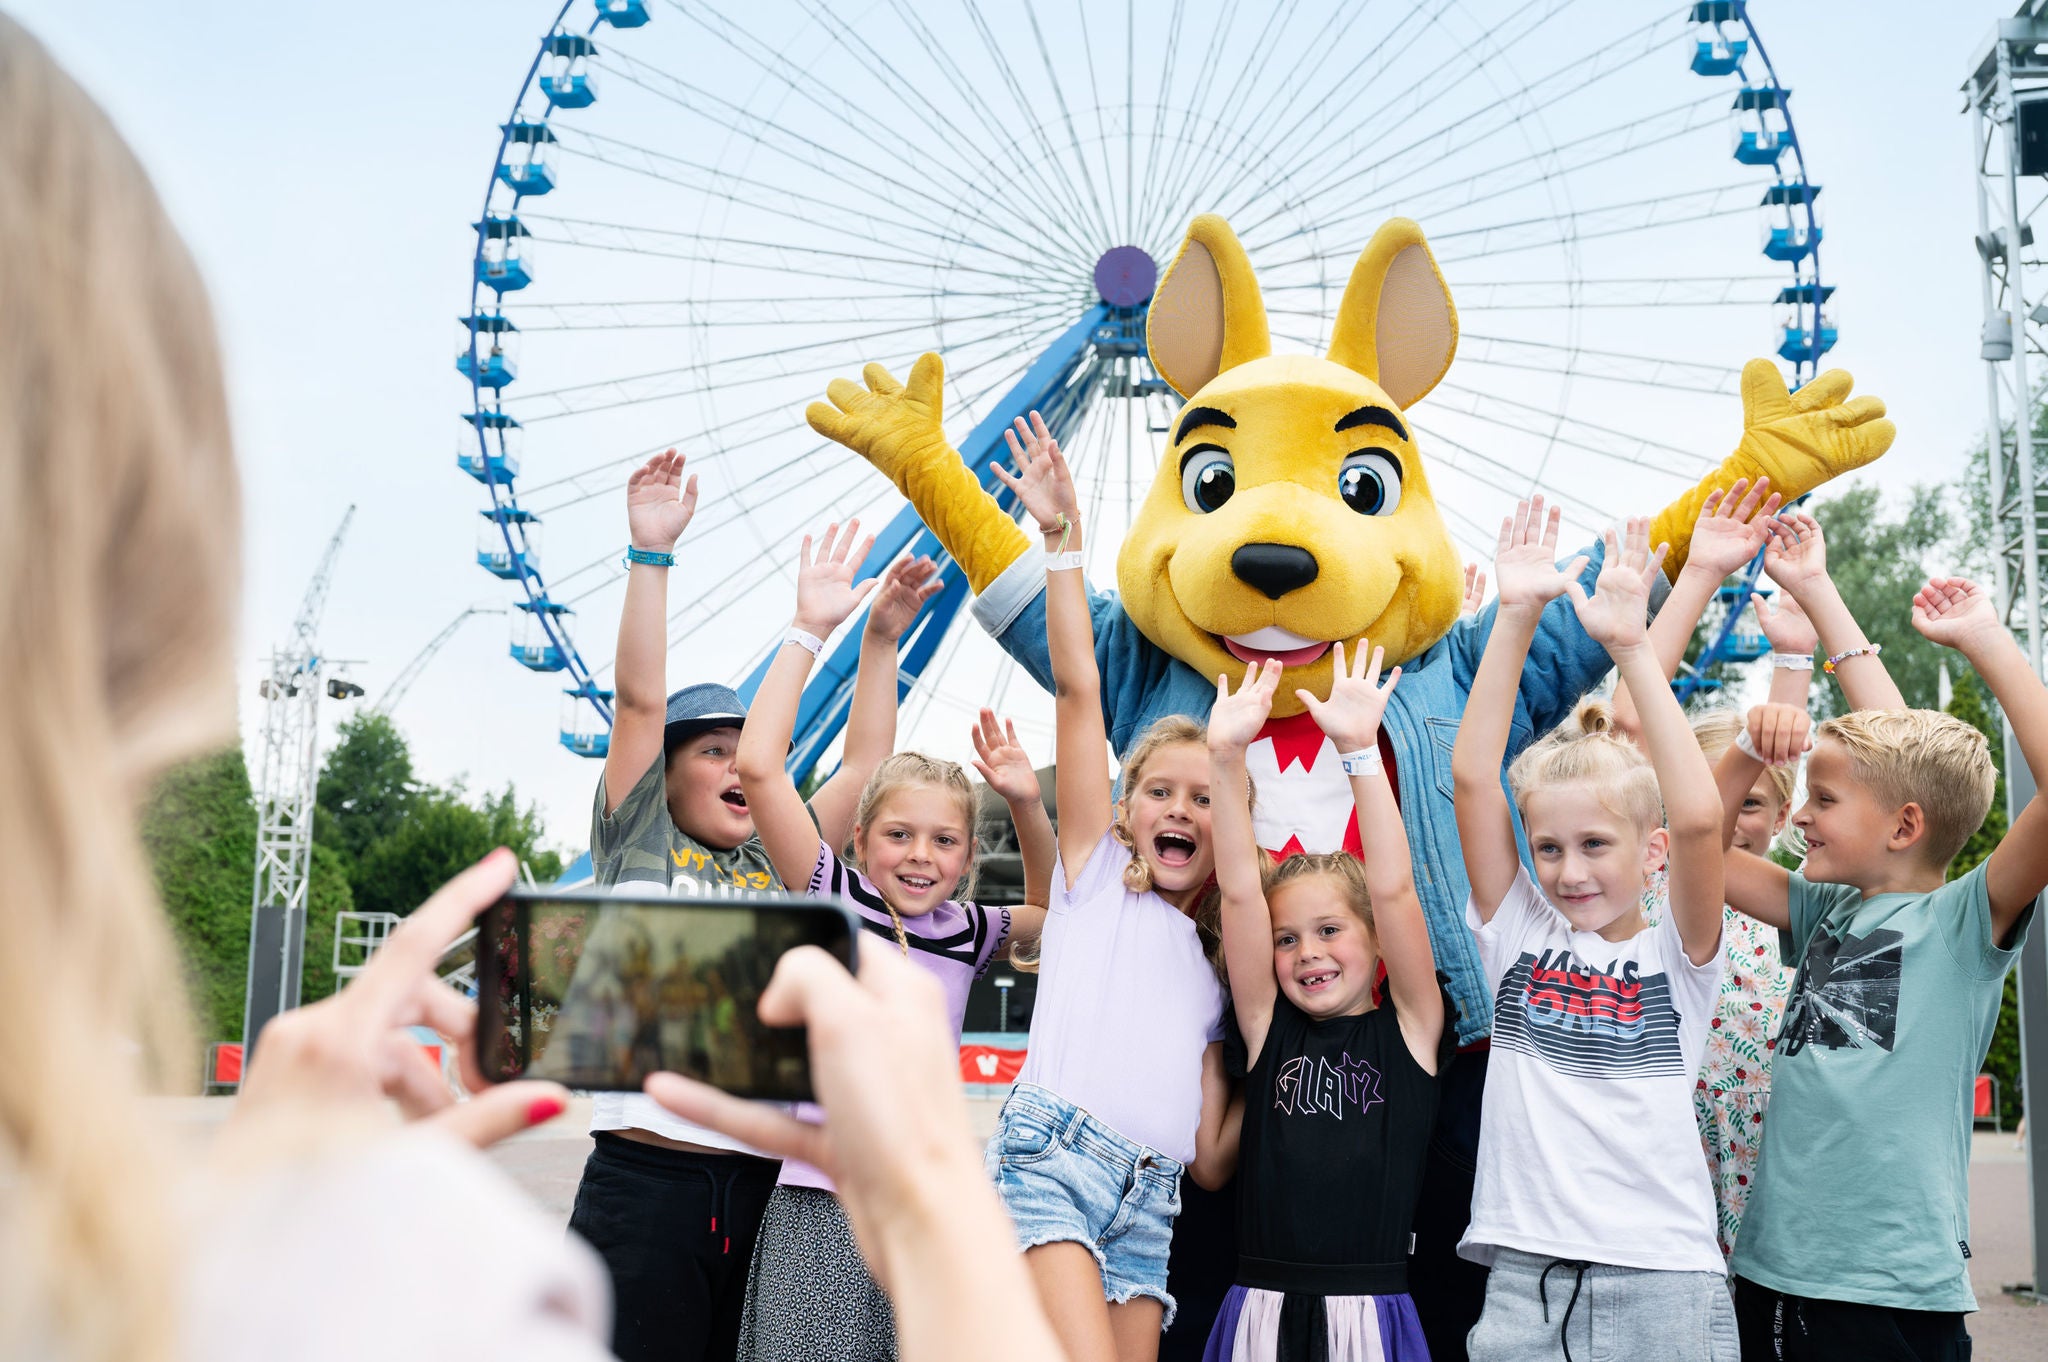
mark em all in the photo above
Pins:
pixel 1587 1144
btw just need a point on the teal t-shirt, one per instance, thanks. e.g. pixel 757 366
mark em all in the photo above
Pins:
pixel 1863 1186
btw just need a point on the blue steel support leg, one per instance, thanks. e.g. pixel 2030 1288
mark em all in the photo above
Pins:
pixel 1048 386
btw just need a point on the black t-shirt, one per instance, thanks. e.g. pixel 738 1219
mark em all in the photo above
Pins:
pixel 1336 1125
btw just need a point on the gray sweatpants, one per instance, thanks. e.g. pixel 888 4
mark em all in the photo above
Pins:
pixel 1621 1314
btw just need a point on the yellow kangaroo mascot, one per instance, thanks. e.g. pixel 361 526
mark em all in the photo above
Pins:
pixel 1293 509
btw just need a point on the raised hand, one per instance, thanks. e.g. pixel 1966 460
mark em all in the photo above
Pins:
pixel 826 594
pixel 1733 525
pixel 1525 570
pixel 1785 624
pixel 1235 720
pixel 1778 734
pixel 906 586
pixel 1802 439
pixel 1797 556
pixel 890 424
pixel 1475 589
pixel 1956 613
pixel 1042 482
pixel 1351 716
pixel 659 503
pixel 1615 616
pixel 1001 760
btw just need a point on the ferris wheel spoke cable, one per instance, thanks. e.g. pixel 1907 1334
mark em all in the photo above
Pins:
pixel 706 181
pixel 810 310
pixel 1644 445
pixel 1059 94
pixel 1024 172
pixel 1441 200
pixel 821 159
pixel 1622 367
pixel 1140 227
pixel 1515 477
pixel 1332 167
pixel 610 394
pixel 1551 295
pixel 1205 79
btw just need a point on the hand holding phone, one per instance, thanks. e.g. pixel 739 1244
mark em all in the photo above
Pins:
pixel 599 991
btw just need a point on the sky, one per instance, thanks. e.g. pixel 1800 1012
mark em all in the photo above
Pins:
pixel 324 167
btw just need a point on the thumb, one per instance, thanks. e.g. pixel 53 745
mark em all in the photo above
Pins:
pixel 502 1111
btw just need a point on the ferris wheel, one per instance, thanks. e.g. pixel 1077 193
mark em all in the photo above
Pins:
pixel 699 214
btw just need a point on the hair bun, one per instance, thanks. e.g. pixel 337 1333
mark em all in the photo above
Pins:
pixel 1593 716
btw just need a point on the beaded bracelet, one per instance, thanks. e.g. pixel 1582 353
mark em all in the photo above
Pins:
pixel 1867 650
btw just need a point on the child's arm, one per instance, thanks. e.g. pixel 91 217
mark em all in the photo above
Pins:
pixel 1757 885
pixel 1046 490
pixel 1731 528
pixel 1526 578
pixel 825 597
pixel 1351 717
pixel 1958 614
pixel 1222 1124
pixel 1001 760
pixel 659 505
pixel 1234 721
pixel 1791 634
pixel 1797 560
pixel 1613 617
pixel 871 718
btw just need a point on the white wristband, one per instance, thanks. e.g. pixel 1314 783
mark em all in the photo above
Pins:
pixel 1069 561
pixel 1364 762
pixel 1792 662
pixel 804 639
pixel 1745 746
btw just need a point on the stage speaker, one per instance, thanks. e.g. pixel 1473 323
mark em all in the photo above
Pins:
pixel 2030 116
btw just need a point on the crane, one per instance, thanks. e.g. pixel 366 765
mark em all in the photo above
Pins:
pixel 395 692
pixel 284 790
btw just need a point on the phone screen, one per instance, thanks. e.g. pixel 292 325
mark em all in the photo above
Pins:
pixel 596 991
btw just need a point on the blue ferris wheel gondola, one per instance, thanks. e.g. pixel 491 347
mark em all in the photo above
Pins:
pixel 1099 350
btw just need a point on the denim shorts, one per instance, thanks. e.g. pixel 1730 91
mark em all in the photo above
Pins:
pixel 1064 1175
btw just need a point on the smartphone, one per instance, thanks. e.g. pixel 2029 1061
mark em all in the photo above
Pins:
pixel 597 991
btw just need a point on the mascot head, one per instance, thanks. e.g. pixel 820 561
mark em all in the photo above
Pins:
pixel 1292 509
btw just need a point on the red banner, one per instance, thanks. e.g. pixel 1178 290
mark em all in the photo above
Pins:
pixel 986 1064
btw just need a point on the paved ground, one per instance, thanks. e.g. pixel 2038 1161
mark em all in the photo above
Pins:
pixel 548 1161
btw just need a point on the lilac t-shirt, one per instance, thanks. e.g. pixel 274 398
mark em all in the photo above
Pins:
pixel 1126 1004
pixel 955 942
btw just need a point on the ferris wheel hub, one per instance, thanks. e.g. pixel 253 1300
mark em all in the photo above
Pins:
pixel 1125 276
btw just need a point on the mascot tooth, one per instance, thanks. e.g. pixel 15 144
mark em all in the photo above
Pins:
pixel 1293 509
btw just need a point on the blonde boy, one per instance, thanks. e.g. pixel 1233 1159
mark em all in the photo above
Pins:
pixel 1856 1240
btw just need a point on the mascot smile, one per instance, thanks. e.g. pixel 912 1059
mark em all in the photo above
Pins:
pixel 1293 509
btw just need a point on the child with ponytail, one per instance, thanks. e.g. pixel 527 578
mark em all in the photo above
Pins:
pixel 1122 1086
pixel 809 1295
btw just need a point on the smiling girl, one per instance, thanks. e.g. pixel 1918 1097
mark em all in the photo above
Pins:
pixel 1340 1078
pixel 1123 1085
pixel 809 1295
pixel 1590 1188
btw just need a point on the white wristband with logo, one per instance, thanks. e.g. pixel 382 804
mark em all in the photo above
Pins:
pixel 1070 561
pixel 1792 662
pixel 1365 761
pixel 804 639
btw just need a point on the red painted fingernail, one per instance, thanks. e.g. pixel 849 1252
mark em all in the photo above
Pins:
pixel 544 1109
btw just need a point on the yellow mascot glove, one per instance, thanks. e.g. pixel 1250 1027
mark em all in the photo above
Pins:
pixel 899 429
pixel 1797 440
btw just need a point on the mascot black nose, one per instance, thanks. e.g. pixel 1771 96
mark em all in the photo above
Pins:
pixel 1274 569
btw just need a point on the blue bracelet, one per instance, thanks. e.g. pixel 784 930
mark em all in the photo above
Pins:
pixel 647 556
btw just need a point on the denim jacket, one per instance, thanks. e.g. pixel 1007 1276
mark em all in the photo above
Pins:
pixel 1142 683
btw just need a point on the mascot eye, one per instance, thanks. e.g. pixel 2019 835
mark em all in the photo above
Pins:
pixel 1370 482
pixel 1207 478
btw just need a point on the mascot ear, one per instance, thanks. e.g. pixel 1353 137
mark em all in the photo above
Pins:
pixel 1207 315
pixel 1396 324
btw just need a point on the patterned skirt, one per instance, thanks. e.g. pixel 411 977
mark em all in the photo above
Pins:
pixel 1358 1329
pixel 809 1295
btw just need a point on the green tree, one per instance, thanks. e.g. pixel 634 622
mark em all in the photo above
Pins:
pixel 442 834
pixel 367 785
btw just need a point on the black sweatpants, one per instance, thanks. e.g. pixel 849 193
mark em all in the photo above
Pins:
pixel 676 1232
pixel 1776 1327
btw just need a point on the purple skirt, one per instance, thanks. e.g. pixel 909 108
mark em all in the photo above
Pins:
pixel 1361 1328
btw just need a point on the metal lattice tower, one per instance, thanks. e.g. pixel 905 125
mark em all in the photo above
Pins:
pixel 287 781
pixel 2007 99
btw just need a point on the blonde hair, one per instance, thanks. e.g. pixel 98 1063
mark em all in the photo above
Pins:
pixel 901 771
pixel 1586 749
pixel 1339 866
pixel 119 527
pixel 1924 757
pixel 1715 731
